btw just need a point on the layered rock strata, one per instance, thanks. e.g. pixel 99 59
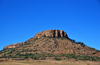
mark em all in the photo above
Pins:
pixel 51 33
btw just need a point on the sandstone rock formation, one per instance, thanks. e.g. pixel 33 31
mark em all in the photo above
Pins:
pixel 47 33
pixel 13 45
pixel 51 33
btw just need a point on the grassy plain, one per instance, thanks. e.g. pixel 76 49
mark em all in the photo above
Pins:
pixel 47 62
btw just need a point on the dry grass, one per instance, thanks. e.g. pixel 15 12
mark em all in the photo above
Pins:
pixel 48 62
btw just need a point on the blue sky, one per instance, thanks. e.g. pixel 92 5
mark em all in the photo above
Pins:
pixel 22 19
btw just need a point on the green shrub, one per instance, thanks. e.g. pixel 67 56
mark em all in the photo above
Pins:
pixel 43 58
pixel 58 58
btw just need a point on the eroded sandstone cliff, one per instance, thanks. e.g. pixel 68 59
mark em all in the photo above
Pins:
pixel 51 33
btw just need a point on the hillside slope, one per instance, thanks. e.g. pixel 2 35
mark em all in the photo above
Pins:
pixel 49 42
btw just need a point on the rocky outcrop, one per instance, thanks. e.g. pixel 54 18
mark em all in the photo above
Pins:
pixel 51 33
pixel 13 45
pixel 47 33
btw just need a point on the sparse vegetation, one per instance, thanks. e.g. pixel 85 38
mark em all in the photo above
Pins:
pixel 36 49
pixel 81 43
pixel 56 56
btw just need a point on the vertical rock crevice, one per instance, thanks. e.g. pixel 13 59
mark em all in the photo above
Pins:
pixel 51 33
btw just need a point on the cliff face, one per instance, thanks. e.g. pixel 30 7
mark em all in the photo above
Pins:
pixel 51 33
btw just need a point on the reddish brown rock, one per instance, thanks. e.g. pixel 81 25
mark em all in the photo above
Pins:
pixel 51 33
pixel 47 33
pixel 13 45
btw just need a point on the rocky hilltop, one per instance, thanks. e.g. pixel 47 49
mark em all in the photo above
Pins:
pixel 13 45
pixel 47 33
pixel 50 42
pixel 51 33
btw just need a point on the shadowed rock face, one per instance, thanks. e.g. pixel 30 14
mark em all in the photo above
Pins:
pixel 51 33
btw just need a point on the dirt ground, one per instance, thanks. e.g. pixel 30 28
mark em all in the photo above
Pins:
pixel 47 62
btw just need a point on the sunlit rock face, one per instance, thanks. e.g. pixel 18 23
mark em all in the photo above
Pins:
pixel 51 33
pixel 13 45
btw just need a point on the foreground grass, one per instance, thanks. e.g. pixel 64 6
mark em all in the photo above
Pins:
pixel 48 62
